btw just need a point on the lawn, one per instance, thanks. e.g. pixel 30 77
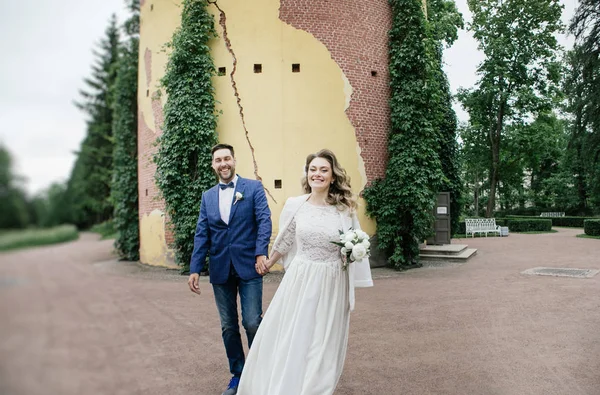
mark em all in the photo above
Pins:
pixel 14 239
pixel 584 236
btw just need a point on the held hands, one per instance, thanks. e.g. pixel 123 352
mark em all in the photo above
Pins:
pixel 263 265
pixel 193 283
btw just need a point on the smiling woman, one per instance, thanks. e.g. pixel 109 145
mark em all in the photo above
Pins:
pixel 300 346
pixel 323 173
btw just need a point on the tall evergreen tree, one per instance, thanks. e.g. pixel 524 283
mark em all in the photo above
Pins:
pixel 89 184
pixel 124 191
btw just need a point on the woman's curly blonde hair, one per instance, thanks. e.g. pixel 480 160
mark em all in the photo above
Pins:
pixel 340 193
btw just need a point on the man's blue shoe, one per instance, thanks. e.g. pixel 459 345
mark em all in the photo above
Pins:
pixel 232 387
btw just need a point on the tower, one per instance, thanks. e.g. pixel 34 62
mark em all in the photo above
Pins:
pixel 308 75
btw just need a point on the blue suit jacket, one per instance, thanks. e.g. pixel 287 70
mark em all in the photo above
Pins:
pixel 239 243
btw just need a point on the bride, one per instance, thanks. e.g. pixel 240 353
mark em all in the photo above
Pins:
pixel 300 346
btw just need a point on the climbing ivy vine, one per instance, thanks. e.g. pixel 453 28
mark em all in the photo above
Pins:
pixel 402 203
pixel 183 157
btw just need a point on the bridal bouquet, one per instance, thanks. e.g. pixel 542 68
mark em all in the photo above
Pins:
pixel 355 246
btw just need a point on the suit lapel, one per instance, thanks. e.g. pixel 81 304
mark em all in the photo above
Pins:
pixel 213 196
pixel 239 187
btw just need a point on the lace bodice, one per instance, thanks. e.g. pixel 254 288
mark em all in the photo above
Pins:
pixel 313 229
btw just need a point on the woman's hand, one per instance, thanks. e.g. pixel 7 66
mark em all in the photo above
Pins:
pixel 263 266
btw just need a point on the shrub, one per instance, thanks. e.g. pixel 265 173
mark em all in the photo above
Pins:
pixel 106 229
pixel 568 222
pixel 529 225
pixel 591 227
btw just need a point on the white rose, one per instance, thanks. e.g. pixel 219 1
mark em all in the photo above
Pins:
pixel 344 250
pixel 358 252
pixel 350 236
pixel 362 235
pixel 366 243
pixel 349 245
pixel 238 195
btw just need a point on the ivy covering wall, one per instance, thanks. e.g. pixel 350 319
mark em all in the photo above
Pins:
pixel 183 158
pixel 402 203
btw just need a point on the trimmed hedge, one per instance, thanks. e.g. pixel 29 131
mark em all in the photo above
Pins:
pixel 591 227
pixel 529 225
pixel 567 222
pixel 570 222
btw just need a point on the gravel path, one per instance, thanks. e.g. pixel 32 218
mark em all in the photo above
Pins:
pixel 73 320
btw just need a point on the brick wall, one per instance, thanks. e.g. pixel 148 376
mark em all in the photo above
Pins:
pixel 356 35
pixel 148 191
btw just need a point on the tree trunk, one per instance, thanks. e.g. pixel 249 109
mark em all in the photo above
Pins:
pixel 495 143
pixel 476 196
pixel 579 168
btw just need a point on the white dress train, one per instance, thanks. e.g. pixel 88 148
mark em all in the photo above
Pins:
pixel 300 346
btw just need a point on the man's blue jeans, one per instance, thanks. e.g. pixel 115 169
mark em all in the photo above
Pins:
pixel 251 300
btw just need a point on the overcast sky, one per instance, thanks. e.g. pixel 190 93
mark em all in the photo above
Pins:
pixel 46 49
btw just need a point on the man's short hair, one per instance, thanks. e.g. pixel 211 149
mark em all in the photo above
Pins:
pixel 222 146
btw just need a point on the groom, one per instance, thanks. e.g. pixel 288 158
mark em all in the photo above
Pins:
pixel 234 228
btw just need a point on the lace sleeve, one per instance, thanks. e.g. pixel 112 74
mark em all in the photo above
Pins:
pixel 286 240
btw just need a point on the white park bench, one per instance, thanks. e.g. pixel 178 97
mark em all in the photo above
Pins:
pixel 552 214
pixel 481 225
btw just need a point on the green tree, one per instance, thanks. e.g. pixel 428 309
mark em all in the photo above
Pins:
pixel 583 84
pixel 575 166
pixel 90 181
pixel 519 74
pixel 402 203
pixel 183 159
pixel 124 191
pixel 13 202
pixel 49 206
pixel 542 143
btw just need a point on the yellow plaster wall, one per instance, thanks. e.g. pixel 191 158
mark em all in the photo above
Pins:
pixel 153 249
pixel 287 115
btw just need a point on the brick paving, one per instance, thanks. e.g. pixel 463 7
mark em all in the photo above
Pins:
pixel 73 320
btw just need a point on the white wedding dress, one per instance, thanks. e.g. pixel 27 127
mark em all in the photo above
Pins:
pixel 300 346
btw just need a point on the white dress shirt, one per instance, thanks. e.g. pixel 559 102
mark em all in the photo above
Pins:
pixel 226 199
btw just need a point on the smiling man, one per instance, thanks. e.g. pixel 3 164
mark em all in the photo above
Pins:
pixel 234 229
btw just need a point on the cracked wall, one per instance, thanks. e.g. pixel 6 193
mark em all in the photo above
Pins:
pixel 275 118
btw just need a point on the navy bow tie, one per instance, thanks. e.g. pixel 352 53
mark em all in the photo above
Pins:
pixel 225 186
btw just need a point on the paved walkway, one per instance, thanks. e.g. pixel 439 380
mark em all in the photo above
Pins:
pixel 74 321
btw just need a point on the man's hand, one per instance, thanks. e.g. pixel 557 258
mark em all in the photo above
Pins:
pixel 262 266
pixel 193 283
